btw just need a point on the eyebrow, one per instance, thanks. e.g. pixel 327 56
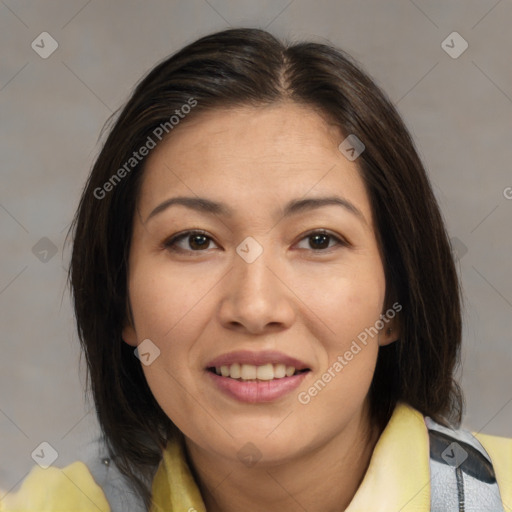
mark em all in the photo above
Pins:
pixel 293 207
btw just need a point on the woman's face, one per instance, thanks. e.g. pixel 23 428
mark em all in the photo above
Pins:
pixel 277 281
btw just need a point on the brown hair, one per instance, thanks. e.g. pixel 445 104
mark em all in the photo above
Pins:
pixel 251 67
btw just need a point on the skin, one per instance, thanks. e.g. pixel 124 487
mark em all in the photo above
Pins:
pixel 307 299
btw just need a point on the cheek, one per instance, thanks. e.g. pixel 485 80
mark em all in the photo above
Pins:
pixel 166 308
pixel 171 309
pixel 348 306
pixel 358 307
pixel 164 302
pixel 351 349
pixel 346 301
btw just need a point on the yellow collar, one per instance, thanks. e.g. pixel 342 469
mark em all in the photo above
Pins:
pixel 398 476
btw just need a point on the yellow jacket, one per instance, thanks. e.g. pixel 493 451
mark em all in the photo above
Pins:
pixel 397 479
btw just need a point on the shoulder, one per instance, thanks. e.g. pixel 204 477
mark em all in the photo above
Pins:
pixel 477 467
pixel 500 452
pixel 500 448
pixel 92 483
pixel 71 488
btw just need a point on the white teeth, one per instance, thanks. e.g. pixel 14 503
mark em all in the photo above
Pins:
pixel 234 371
pixel 267 371
pixel 248 372
pixel 279 371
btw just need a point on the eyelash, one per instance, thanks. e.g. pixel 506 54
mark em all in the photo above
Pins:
pixel 171 243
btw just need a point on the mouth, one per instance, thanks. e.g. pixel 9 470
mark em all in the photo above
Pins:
pixel 256 377
pixel 251 384
pixel 253 373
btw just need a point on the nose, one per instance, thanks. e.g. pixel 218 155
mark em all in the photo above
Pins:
pixel 256 298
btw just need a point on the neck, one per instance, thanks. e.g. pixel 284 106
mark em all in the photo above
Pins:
pixel 325 478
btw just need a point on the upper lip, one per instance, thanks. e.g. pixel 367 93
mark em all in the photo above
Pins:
pixel 256 359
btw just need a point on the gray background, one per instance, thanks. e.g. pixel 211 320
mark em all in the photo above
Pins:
pixel 458 110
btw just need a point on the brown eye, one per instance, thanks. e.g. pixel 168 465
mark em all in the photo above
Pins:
pixel 198 241
pixel 190 241
pixel 320 240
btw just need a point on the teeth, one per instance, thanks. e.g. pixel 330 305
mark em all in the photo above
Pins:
pixel 234 371
pixel 267 371
pixel 248 372
pixel 280 371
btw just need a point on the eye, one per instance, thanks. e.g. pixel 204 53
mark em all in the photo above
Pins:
pixel 189 241
pixel 199 241
pixel 320 240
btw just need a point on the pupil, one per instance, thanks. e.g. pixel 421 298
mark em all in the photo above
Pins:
pixel 321 241
pixel 201 244
pixel 316 238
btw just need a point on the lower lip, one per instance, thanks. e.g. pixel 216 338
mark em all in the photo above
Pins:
pixel 257 391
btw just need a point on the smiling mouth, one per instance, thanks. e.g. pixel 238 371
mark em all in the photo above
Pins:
pixel 252 373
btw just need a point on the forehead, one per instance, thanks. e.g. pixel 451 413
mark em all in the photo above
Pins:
pixel 253 132
pixel 250 155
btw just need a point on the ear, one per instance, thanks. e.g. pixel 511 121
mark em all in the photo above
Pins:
pixel 129 335
pixel 391 331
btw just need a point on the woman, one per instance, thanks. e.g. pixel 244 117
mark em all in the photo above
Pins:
pixel 266 297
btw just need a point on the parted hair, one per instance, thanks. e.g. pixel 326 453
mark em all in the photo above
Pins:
pixel 251 67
